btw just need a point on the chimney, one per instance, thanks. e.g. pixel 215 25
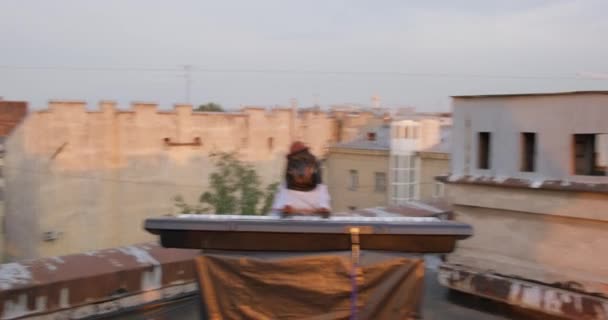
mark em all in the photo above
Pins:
pixel 371 136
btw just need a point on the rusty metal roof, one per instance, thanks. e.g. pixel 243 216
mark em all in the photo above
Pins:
pixel 379 141
pixel 50 285
pixel 559 185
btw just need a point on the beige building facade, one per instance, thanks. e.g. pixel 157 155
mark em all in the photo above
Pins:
pixel 529 173
pixel 80 180
pixel 392 164
pixel 433 163
pixel 357 172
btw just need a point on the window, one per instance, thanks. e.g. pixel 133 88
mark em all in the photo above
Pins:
pixel 590 154
pixel 438 190
pixel 354 180
pixel 528 151
pixel 270 143
pixel 483 150
pixel 411 192
pixel 380 181
pixel 413 162
pixel 404 179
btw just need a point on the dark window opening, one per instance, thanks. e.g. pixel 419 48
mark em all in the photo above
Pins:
pixel 270 143
pixel 528 151
pixel 590 154
pixel 483 152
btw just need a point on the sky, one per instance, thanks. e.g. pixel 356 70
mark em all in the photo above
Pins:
pixel 266 52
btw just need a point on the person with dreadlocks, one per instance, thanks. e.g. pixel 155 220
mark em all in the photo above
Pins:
pixel 303 192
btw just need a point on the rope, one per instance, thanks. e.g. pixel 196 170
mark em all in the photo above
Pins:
pixel 355 254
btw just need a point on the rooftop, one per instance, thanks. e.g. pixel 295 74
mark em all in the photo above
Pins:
pixel 437 209
pixel 558 185
pixel 531 94
pixel 377 139
pixel 438 303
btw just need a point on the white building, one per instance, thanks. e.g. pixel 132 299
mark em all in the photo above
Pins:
pixel 408 137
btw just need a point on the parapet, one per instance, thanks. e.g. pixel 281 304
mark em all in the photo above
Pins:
pixel 67 105
pixel 110 106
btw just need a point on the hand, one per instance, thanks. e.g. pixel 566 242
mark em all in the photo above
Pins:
pixel 321 210
pixel 288 210
pixel 324 212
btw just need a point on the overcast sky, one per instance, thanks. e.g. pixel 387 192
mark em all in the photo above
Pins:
pixel 408 52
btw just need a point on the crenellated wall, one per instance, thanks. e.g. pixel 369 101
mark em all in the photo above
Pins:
pixel 80 179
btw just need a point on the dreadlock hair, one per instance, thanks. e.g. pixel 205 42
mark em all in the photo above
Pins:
pixel 299 161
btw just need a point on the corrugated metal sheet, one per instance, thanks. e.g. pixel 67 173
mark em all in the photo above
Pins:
pixel 71 282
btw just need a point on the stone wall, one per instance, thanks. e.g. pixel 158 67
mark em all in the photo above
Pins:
pixel 541 235
pixel 79 179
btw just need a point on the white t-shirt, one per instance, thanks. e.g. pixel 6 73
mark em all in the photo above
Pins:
pixel 306 200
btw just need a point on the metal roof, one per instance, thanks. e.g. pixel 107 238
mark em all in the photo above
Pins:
pixel 561 185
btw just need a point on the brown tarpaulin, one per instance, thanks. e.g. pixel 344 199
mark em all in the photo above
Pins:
pixel 309 285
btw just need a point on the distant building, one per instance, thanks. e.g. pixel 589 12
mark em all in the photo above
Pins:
pixel 530 173
pixel 358 171
pixel 409 137
pixel 391 164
